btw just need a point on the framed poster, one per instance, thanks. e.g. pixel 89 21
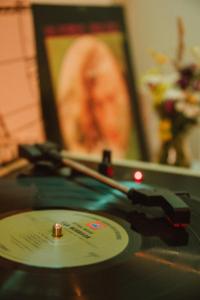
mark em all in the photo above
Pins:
pixel 88 95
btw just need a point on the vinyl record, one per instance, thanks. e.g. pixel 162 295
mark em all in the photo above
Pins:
pixel 140 255
pixel 61 238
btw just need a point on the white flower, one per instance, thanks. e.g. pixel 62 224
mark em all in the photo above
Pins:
pixel 153 77
pixel 188 109
pixel 174 94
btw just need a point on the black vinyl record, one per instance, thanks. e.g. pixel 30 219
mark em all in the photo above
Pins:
pixel 157 261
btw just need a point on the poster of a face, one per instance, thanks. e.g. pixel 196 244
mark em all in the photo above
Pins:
pixel 88 75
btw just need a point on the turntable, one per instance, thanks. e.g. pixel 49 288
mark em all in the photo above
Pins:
pixel 69 232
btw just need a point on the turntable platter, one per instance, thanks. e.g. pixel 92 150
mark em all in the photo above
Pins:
pixel 151 259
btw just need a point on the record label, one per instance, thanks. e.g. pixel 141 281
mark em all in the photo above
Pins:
pixel 30 238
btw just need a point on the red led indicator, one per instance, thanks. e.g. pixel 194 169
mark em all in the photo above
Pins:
pixel 138 176
pixel 180 225
pixel 109 172
pixel 177 225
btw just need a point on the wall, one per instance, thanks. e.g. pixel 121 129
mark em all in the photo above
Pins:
pixel 152 25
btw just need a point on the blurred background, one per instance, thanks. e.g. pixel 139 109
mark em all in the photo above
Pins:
pixel 152 26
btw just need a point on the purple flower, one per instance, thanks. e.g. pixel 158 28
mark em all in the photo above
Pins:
pixel 188 71
pixel 168 106
pixel 183 82
pixel 186 75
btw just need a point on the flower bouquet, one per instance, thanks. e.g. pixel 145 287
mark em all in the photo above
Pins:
pixel 174 88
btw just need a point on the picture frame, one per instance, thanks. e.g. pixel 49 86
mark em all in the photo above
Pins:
pixel 88 93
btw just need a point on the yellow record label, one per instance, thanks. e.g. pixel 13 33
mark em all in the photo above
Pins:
pixel 85 238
